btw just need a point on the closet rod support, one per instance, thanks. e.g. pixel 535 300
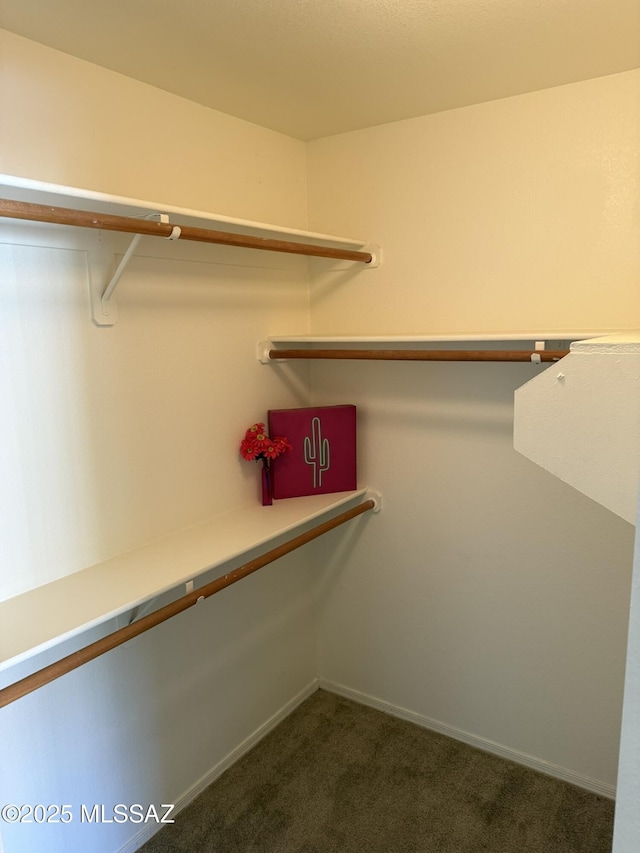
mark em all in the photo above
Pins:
pixel 115 278
pixel 375 251
pixel 103 307
pixel 376 497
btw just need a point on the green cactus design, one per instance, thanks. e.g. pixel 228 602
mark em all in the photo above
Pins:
pixel 316 452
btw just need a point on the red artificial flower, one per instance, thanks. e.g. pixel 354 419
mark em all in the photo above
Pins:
pixel 261 440
pixel 256 444
pixel 282 443
pixel 248 450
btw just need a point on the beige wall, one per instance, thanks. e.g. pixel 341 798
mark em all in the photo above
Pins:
pixel 69 122
pixel 511 215
pixel 487 598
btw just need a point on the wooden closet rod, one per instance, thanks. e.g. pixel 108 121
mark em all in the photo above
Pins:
pixel 129 225
pixel 422 355
pixel 122 635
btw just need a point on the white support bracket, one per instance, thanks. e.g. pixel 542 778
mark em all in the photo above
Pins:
pixel 104 308
pixel 376 497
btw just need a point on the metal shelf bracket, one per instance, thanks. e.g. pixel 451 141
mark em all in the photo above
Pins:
pixel 104 308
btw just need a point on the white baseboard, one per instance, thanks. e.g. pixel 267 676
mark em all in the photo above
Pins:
pixel 218 769
pixel 593 785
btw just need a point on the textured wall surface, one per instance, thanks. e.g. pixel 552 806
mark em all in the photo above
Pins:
pixel 511 215
pixel 487 596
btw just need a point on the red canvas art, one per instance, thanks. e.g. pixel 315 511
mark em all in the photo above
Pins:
pixel 323 451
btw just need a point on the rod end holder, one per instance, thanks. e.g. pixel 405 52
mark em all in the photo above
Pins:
pixel 376 255
pixel 262 351
pixel 376 497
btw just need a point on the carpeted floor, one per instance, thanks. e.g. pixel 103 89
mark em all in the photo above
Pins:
pixel 337 777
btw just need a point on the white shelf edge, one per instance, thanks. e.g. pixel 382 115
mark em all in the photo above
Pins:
pixel 46 616
pixel 460 337
pixel 619 343
pixel 107 202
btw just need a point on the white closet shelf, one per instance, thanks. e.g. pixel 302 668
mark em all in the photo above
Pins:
pixel 533 346
pixel 42 618
pixel 25 189
pixel 27 200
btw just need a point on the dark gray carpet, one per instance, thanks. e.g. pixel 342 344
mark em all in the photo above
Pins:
pixel 337 777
